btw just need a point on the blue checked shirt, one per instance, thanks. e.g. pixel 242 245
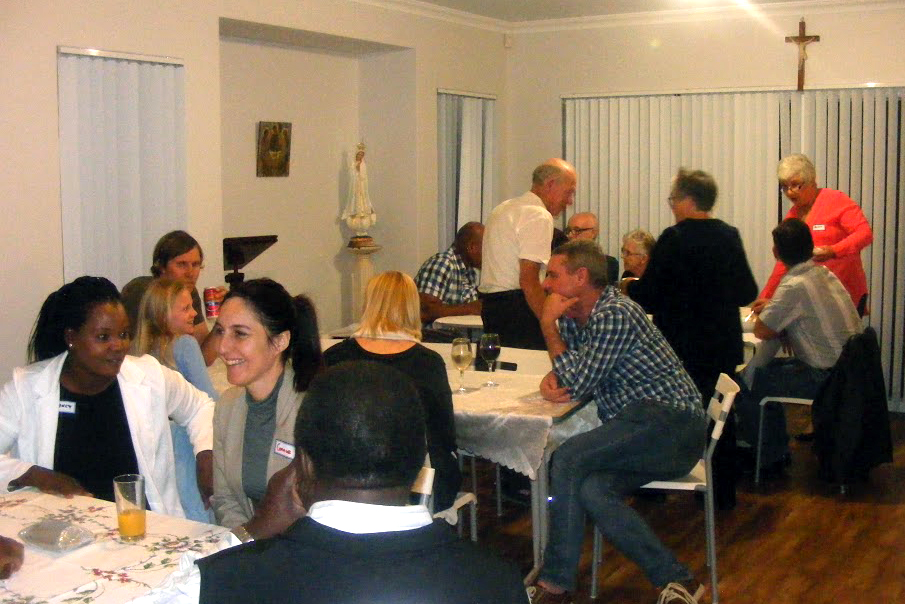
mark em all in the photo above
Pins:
pixel 619 357
pixel 445 276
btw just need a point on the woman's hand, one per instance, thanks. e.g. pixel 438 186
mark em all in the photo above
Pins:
pixel 11 556
pixel 48 481
pixel 279 508
pixel 550 390
pixel 204 471
pixel 824 252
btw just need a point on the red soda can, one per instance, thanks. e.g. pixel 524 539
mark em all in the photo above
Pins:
pixel 211 303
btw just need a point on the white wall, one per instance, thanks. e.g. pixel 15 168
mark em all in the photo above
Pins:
pixel 731 51
pixel 30 30
pixel 318 94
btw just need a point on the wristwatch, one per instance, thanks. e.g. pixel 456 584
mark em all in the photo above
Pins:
pixel 242 533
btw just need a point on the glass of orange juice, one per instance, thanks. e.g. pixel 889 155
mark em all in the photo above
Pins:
pixel 129 492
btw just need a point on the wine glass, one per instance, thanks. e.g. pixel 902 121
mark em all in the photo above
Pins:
pixel 462 356
pixel 489 349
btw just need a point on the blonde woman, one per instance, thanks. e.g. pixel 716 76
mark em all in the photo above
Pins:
pixel 165 330
pixel 390 332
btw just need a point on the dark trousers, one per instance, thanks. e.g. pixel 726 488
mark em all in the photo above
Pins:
pixel 724 462
pixel 508 314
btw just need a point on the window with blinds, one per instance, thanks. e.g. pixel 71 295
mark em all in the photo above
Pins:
pixel 627 149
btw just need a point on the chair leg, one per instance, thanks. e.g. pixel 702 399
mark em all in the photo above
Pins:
pixel 459 522
pixel 474 521
pixel 760 440
pixel 595 561
pixel 499 492
pixel 710 528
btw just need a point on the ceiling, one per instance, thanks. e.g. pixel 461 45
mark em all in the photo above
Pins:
pixel 515 11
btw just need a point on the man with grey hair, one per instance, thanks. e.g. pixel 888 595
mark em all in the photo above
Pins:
pixel 604 349
pixel 583 226
pixel 516 246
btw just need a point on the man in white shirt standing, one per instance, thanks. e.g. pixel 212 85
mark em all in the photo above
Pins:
pixel 814 312
pixel 516 245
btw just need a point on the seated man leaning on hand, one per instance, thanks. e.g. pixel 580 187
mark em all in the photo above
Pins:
pixel 360 443
pixel 815 313
pixel 604 349
pixel 448 281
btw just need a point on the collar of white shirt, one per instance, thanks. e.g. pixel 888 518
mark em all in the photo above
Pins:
pixel 365 518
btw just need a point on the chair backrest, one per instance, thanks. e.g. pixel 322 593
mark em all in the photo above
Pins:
pixel 718 409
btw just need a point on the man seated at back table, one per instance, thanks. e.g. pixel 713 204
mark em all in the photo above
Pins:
pixel 448 281
pixel 605 349
pixel 359 440
pixel 815 313
pixel 583 226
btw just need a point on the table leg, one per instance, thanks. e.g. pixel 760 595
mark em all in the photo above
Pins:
pixel 540 488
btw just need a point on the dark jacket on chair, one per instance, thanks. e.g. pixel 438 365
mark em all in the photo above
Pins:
pixel 851 417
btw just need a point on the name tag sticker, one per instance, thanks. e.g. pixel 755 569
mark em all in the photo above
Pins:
pixel 284 449
pixel 67 407
pixel 819 227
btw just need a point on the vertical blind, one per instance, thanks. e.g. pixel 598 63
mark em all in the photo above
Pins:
pixel 627 149
pixel 122 162
pixel 465 160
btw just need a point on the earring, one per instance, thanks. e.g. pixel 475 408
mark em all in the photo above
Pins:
pixel 70 345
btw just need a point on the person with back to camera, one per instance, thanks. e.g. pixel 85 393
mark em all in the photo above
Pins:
pixel 270 344
pixel 838 227
pixel 176 256
pixel 165 330
pixel 85 412
pixel 360 445
pixel 389 333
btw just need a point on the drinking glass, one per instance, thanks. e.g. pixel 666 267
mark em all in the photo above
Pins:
pixel 129 492
pixel 462 356
pixel 489 349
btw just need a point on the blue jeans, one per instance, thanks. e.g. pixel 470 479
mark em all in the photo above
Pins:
pixel 779 377
pixel 594 471
pixel 186 477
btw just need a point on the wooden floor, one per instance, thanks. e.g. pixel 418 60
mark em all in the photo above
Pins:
pixel 794 540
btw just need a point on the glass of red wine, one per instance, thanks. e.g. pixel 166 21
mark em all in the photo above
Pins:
pixel 489 349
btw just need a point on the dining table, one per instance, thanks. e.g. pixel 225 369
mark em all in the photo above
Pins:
pixel 513 425
pixel 107 570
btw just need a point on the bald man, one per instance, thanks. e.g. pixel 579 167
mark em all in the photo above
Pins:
pixel 516 245
pixel 448 281
pixel 583 226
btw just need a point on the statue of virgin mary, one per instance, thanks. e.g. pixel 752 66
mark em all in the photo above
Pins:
pixel 359 214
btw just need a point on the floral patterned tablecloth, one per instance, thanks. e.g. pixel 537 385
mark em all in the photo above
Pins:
pixel 106 571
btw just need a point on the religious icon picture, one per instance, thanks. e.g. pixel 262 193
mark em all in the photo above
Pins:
pixel 274 139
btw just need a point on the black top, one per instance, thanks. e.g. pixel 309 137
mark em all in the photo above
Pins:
pixel 697 278
pixel 428 372
pixel 313 564
pixel 93 441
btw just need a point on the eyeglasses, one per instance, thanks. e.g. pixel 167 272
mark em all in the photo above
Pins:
pixel 576 230
pixel 624 252
pixel 672 200
pixel 789 186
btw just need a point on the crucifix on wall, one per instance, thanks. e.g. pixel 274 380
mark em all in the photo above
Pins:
pixel 802 40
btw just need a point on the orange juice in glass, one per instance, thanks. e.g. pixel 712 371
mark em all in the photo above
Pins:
pixel 129 492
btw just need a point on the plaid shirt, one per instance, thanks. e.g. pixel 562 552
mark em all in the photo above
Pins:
pixel 445 276
pixel 620 357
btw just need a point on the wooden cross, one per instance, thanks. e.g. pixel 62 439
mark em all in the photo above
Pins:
pixel 802 40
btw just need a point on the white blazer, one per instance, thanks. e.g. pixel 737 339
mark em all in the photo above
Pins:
pixel 29 409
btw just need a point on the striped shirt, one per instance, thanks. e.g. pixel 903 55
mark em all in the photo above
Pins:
pixel 814 309
pixel 619 357
pixel 445 276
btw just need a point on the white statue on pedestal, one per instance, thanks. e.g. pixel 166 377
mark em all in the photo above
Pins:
pixel 359 214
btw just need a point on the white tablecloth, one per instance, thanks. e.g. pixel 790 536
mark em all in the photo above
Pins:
pixel 106 571
pixel 512 423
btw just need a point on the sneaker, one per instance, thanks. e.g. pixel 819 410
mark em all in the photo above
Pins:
pixel 676 592
pixel 539 595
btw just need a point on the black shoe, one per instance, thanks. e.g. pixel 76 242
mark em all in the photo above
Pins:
pixel 805 437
